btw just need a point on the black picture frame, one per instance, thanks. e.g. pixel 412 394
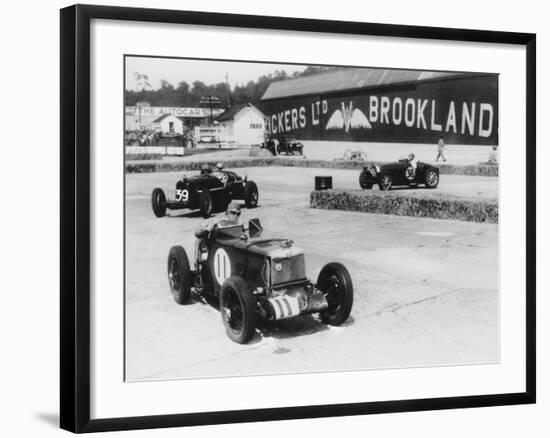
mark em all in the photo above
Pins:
pixel 75 217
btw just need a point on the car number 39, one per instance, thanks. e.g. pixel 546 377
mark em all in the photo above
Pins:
pixel 182 195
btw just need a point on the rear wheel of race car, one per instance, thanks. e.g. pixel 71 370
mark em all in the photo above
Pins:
pixel 158 201
pixel 364 183
pixel 251 194
pixel 238 310
pixel 206 203
pixel 179 275
pixel 335 283
pixel 385 182
pixel 431 179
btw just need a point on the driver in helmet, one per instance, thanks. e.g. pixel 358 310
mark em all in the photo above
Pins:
pixel 205 169
pixel 412 160
pixel 232 217
pixel 219 166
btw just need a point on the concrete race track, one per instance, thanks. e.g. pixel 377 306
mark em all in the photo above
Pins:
pixel 426 290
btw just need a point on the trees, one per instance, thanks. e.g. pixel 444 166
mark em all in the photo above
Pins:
pixel 185 96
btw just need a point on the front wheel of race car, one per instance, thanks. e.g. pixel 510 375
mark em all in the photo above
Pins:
pixel 364 182
pixel 179 275
pixel 251 194
pixel 223 201
pixel 335 283
pixel 158 201
pixel 431 179
pixel 385 182
pixel 206 203
pixel 238 310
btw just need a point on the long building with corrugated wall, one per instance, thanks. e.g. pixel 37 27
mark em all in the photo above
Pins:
pixel 385 105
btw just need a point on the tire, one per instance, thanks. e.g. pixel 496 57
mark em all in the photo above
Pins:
pixel 180 277
pixel 251 194
pixel 363 180
pixel 206 203
pixel 385 182
pixel 431 179
pixel 238 310
pixel 223 202
pixel 335 283
pixel 158 201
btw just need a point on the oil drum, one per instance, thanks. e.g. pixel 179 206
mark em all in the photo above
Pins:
pixel 323 182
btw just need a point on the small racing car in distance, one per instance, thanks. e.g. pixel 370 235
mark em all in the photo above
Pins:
pixel 353 155
pixel 284 145
pixel 402 173
pixel 255 279
pixel 208 192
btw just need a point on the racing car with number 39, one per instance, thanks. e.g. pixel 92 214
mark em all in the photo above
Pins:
pixel 256 279
pixel 208 192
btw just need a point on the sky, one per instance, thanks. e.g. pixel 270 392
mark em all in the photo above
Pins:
pixel 190 70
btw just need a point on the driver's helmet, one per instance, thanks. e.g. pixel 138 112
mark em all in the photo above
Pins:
pixel 219 166
pixel 205 169
pixel 232 214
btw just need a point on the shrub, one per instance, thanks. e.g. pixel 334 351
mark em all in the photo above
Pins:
pixel 256 151
pixel 411 204
pixel 139 157
pixel 445 169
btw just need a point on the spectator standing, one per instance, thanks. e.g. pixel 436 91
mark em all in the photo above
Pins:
pixel 493 156
pixel 440 149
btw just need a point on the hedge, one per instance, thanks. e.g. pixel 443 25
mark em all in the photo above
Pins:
pixel 410 204
pixel 138 157
pixel 445 169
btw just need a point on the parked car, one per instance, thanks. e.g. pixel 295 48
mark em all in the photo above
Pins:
pixel 401 173
pixel 208 192
pixel 284 145
pixel 256 279
pixel 353 155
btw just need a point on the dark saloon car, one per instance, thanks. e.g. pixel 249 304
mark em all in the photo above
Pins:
pixel 208 192
pixel 254 278
pixel 284 145
pixel 404 172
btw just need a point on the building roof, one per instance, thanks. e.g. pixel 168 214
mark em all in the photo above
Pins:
pixel 348 79
pixel 233 111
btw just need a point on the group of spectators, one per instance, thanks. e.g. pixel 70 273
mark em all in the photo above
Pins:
pixel 152 137
pixel 146 137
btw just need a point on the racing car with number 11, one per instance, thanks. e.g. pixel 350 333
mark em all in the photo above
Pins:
pixel 256 279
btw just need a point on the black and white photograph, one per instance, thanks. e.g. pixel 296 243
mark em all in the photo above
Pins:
pixel 295 218
pixel 270 219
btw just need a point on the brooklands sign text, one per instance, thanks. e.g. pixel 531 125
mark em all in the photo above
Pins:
pixel 454 116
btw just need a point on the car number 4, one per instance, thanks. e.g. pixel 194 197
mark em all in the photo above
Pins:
pixel 182 195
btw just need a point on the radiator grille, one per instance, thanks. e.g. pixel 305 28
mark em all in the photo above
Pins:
pixel 291 269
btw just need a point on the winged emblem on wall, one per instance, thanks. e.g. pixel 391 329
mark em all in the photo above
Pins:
pixel 348 117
